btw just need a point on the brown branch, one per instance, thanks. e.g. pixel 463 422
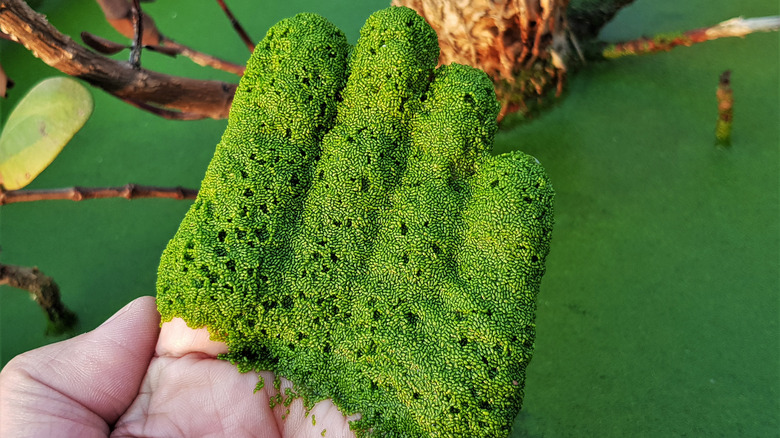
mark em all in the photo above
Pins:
pixel 736 27
pixel 237 26
pixel 207 98
pixel 129 191
pixel 43 291
pixel 108 47
pixel 119 15
pixel 138 31
pixel 204 59
pixel 164 113
pixel 102 45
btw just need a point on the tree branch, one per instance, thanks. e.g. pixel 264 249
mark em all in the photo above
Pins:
pixel 203 59
pixel 164 113
pixel 119 14
pixel 43 291
pixel 207 98
pixel 237 26
pixel 138 31
pixel 129 191
pixel 736 27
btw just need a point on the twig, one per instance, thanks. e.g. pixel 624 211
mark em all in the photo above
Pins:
pixel 129 191
pixel 203 59
pixel 108 47
pixel 119 15
pixel 102 45
pixel 725 110
pixel 207 98
pixel 43 291
pixel 138 31
pixel 237 26
pixel 736 27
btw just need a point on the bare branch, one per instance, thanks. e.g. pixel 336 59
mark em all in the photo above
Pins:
pixel 237 26
pixel 129 191
pixel 119 15
pixel 739 27
pixel 102 45
pixel 138 30
pixel 736 27
pixel 164 113
pixel 43 291
pixel 203 59
pixel 207 98
pixel 108 47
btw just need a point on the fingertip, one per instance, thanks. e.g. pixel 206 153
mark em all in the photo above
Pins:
pixel 177 339
pixel 141 310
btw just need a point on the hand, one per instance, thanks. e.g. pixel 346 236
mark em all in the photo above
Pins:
pixel 129 377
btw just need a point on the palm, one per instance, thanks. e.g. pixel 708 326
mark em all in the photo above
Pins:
pixel 130 378
pixel 188 392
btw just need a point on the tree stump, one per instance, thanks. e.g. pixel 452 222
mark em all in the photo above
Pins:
pixel 523 45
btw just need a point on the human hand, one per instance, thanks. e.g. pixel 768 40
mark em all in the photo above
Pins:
pixel 129 377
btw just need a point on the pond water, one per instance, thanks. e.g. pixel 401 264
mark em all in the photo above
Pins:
pixel 658 315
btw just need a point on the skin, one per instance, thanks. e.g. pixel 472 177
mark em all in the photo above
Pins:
pixel 130 377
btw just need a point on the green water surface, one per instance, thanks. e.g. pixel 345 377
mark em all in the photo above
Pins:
pixel 658 315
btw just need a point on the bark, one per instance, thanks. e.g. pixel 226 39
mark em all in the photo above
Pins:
pixel 128 191
pixel 190 96
pixel 523 45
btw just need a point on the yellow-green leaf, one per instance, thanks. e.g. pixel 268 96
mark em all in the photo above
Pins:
pixel 39 127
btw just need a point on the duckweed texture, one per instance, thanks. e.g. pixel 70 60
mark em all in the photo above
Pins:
pixel 354 234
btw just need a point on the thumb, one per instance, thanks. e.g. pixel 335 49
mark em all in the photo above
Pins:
pixel 82 385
